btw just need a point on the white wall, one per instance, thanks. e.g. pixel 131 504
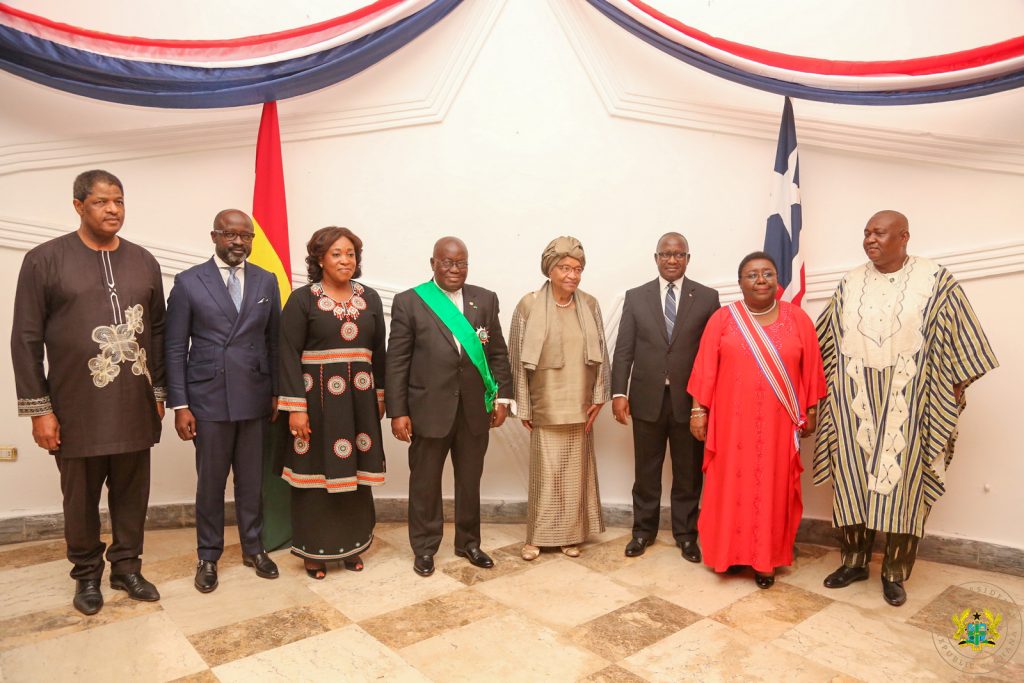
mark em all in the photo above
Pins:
pixel 515 121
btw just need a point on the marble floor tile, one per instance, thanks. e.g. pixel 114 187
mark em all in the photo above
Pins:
pixel 767 614
pixel 633 627
pixel 38 587
pixel 560 594
pixel 27 554
pixel 693 586
pixel 492 536
pixel 161 544
pixel 240 595
pixel 613 674
pixel 201 677
pixel 937 616
pixel 384 586
pixel 147 648
pixel 409 625
pixel 507 647
pixel 346 654
pixel 507 560
pixel 235 641
pixel 35 627
pixel 860 643
pixel 710 651
pixel 610 555
pixel 922 588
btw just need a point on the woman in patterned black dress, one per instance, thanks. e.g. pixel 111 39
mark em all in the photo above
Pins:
pixel 332 384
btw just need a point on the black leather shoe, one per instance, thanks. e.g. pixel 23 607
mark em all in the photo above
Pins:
pixel 88 598
pixel 424 565
pixel 764 580
pixel 265 567
pixel 691 551
pixel 844 576
pixel 637 546
pixel 136 586
pixel 206 576
pixel 894 592
pixel 476 557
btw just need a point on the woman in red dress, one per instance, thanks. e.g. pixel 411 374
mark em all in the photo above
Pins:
pixel 755 384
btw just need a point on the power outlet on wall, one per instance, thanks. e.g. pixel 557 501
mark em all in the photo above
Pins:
pixel 8 453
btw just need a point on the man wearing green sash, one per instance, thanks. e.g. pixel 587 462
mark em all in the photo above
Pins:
pixel 448 383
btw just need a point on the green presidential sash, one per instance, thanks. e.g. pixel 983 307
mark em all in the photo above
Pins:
pixel 456 322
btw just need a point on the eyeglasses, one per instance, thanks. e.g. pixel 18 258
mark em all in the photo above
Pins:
pixel 669 255
pixel 753 276
pixel 448 264
pixel 566 269
pixel 228 236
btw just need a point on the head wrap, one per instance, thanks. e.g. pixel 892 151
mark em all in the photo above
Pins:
pixel 558 249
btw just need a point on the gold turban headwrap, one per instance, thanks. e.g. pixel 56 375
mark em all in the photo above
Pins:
pixel 558 249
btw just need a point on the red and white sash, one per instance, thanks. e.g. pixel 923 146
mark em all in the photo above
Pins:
pixel 767 357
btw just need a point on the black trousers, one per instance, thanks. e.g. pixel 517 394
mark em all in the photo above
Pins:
pixel 649 439
pixel 426 464
pixel 126 476
pixel 223 447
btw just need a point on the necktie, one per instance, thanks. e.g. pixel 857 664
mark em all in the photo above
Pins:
pixel 670 308
pixel 235 287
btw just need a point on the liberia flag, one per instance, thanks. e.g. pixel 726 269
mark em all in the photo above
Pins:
pixel 782 233
pixel 270 251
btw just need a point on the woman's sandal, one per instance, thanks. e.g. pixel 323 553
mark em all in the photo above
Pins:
pixel 318 572
pixel 529 552
pixel 353 564
pixel 571 550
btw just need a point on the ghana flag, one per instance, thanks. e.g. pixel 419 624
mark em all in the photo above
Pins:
pixel 270 251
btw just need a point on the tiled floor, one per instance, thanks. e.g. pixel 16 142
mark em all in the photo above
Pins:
pixel 601 617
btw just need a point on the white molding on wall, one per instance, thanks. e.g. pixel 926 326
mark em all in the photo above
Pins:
pixel 983 154
pixel 240 130
pixel 966 264
pixel 22 235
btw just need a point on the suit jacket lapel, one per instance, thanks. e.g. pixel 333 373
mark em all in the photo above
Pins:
pixel 685 302
pixel 442 328
pixel 210 276
pixel 653 296
pixel 250 292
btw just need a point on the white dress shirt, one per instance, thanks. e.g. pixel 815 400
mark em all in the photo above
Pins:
pixel 225 271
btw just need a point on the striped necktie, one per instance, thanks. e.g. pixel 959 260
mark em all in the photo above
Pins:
pixel 235 287
pixel 670 308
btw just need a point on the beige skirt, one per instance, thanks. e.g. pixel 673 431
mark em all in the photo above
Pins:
pixel 564 501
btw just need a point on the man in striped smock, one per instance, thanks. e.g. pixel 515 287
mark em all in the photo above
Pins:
pixel 900 344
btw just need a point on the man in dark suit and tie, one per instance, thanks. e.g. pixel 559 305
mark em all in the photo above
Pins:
pixel 662 322
pixel 448 383
pixel 221 350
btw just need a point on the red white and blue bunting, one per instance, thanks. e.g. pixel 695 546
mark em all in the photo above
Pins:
pixel 957 75
pixel 210 73
pixel 249 70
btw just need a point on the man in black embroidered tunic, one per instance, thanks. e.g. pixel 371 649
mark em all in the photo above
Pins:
pixel 94 302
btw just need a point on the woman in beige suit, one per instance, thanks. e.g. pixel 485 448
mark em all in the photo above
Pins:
pixel 561 375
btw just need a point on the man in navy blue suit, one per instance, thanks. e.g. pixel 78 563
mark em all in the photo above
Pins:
pixel 221 357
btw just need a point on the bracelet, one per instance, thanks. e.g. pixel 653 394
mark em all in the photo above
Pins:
pixel 700 413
